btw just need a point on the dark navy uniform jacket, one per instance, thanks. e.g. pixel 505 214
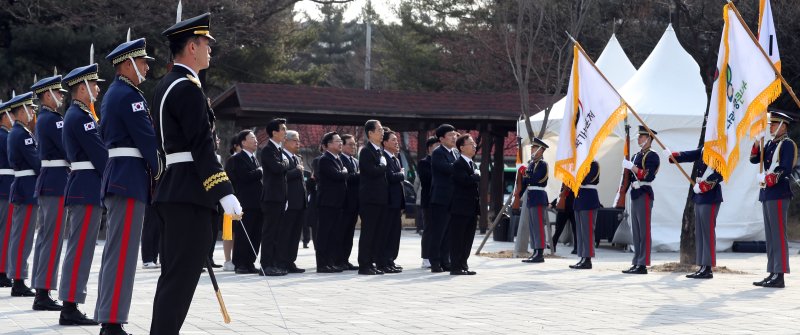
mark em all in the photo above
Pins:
pixel 125 123
pixel 83 144
pixel 587 199
pixel 536 175
pixel 713 196
pixel 23 155
pixel 185 124
pixel 397 197
pixel 5 180
pixel 351 196
pixel 787 159
pixel 52 180
pixel 648 163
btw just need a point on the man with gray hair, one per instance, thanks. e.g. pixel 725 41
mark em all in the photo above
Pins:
pixel 295 207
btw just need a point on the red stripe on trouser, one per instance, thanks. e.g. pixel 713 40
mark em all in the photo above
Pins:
pixel 591 235
pixel 712 239
pixel 6 238
pixel 73 281
pixel 647 209
pixel 123 250
pixel 21 248
pixel 541 228
pixel 784 258
pixel 56 239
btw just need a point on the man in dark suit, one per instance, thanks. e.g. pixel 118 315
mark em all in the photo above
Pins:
pixel 373 198
pixel 331 187
pixel 245 173
pixel 350 212
pixel 273 196
pixel 442 161
pixel 465 209
pixel 395 174
pixel 424 173
pixel 295 210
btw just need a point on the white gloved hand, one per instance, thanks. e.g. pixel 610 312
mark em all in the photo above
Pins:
pixel 260 168
pixel 383 161
pixel 761 178
pixel 696 188
pixel 626 164
pixel 667 153
pixel 636 185
pixel 403 171
pixel 230 204
pixel 477 172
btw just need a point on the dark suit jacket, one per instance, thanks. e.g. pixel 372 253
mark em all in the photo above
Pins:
pixel 332 182
pixel 351 197
pixel 295 185
pixel 442 184
pixel 465 189
pixel 246 179
pixel 372 183
pixel 397 198
pixel 275 166
pixel 424 174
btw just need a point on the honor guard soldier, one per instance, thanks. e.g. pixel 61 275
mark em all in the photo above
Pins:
pixel 6 177
pixel 87 157
pixel 23 158
pixel 194 182
pixel 643 171
pixel 128 134
pixel 779 157
pixel 49 191
pixel 707 198
pixel 535 180
pixel 586 204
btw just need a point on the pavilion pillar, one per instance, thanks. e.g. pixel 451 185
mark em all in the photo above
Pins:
pixel 497 174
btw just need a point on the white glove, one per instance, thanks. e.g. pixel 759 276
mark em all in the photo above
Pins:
pixel 626 164
pixel 230 204
pixel 667 153
pixel 761 178
pixel 696 188
pixel 477 172
pixel 636 185
pixel 383 161
pixel 260 168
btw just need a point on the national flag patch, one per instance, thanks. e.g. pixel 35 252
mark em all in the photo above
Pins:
pixel 137 106
pixel 88 126
pixel 28 141
pixel 59 124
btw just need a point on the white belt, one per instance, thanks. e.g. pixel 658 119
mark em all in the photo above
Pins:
pixel 535 188
pixel 24 173
pixel 179 157
pixel 6 172
pixel 637 184
pixel 87 165
pixel 589 187
pixel 55 163
pixel 124 152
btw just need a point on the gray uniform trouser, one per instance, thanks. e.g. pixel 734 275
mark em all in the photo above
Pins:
pixel 5 235
pixel 584 224
pixel 83 223
pixel 538 220
pixel 23 223
pixel 47 250
pixel 705 237
pixel 776 212
pixel 118 267
pixel 641 208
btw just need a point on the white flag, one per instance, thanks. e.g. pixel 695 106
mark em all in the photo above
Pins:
pixel 769 42
pixel 593 108
pixel 745 85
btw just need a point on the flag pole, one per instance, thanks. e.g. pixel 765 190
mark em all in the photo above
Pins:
pixel 649 131
pixel 760 48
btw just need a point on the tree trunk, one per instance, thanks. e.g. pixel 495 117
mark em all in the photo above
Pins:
pixel 486 149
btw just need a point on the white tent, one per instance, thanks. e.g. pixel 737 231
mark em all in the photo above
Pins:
pixel 668 93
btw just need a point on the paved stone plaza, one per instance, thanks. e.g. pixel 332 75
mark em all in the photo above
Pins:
pixel 506 297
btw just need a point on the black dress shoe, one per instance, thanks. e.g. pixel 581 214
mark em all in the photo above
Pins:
pixel 761 283
pixel 775 282
pixel 694 275
pixel 397 266
pixel 4 281
pixel 19 289
pixel 636 270
pixel 436 269
pixel 71 316
pixel 271 272
pixel 368 271
pixel 294 269
pixel 112 329
pixel 43 302
pixel 584 265
pixel 215 265
pixel 447 267
pixel 458 272
pixel 707 274
pixel 325 269
pixel 471 273
pixel 377 270
pixel 244 271
pixel 336 268
pixel 574 251
pixel 583 259
pixel 349 267
pixel 388 269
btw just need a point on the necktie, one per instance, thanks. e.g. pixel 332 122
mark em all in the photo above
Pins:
pixel 471 165
pixel 253 158
pixel 294 159
pixel 396 161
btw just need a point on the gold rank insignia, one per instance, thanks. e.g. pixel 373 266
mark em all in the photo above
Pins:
pixel 194 80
